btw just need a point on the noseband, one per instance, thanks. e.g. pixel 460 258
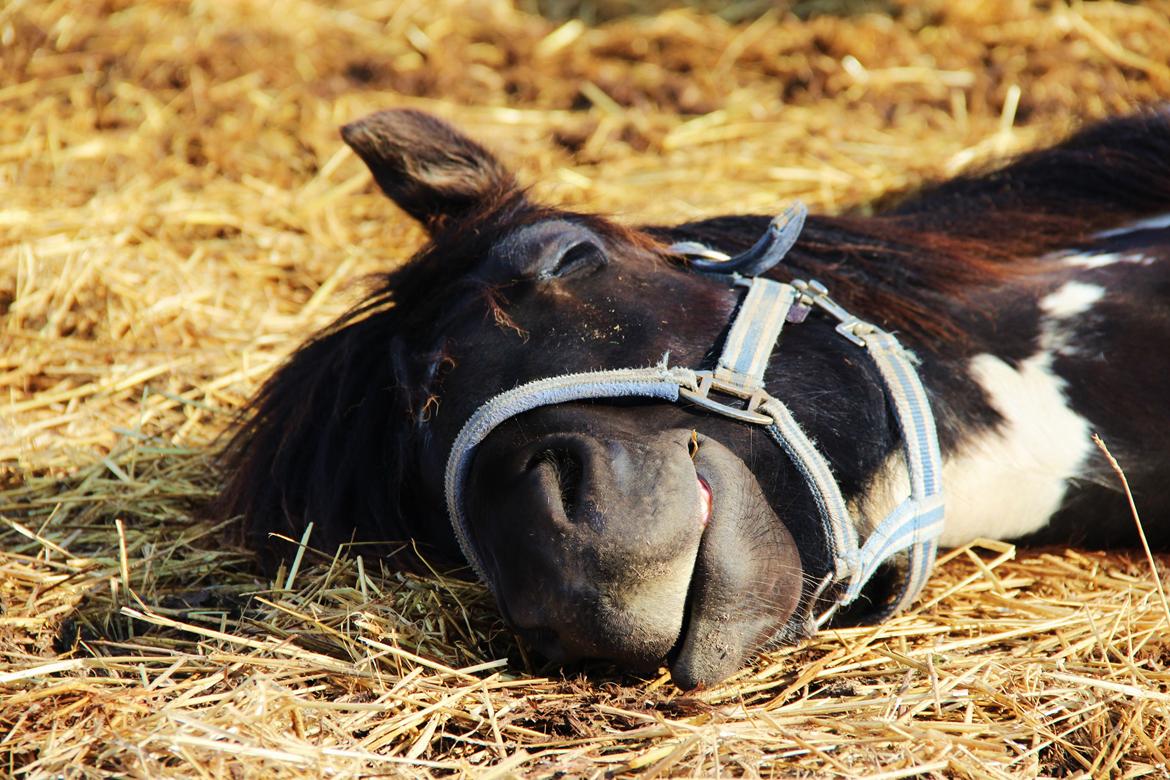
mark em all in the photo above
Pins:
pixel 735 389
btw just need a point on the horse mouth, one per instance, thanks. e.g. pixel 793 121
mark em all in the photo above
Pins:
pixel 744 585
pixel 705 510
pixel 706 501
pixel 674 657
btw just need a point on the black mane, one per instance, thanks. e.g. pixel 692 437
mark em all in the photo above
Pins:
pixel 946 241
pixel 331 435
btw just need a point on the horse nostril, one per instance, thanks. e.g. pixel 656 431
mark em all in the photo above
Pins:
pixel 566 470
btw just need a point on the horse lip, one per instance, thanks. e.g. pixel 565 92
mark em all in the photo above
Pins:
pixel 717 634
pixel 689 606
pixel 706 501
pixel 680 673
pixel 707 519
pixel 706 496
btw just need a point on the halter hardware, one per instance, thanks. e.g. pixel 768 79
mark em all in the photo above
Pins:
pixel 813 293
pixel 708 382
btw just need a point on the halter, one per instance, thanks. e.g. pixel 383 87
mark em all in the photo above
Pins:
pixel 735 389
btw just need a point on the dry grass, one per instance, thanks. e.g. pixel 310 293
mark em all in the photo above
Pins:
pixel 179 213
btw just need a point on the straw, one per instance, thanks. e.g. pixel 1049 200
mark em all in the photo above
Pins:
pixel 179 213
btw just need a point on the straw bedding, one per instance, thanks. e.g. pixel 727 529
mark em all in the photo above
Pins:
pixel 179 213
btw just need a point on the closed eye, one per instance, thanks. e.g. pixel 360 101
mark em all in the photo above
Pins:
pixel 579 258
pixel 553 249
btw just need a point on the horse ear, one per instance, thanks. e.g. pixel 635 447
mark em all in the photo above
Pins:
pixel 432 171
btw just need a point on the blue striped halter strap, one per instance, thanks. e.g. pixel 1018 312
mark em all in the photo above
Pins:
pixel 735 388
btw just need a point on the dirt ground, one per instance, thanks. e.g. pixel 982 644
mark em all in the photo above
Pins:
pixel 179 213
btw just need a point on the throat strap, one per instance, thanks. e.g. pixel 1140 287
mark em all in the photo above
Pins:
pixel 917 522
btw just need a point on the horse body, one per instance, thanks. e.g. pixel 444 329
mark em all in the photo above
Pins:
pixel 1036 298
pixel 1098 364
pixel 1074 350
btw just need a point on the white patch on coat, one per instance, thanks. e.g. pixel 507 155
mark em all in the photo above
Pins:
pixel 1104 260
pixel 1008 481
pixel 1150 223
pixel 1071 300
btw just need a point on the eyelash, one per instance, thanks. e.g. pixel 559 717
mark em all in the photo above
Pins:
pixel 572 258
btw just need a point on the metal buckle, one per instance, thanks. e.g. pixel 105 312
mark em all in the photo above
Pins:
pixel 702 397
pixel 813 293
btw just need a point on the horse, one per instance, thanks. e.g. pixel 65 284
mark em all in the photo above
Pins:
pixel 555 399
